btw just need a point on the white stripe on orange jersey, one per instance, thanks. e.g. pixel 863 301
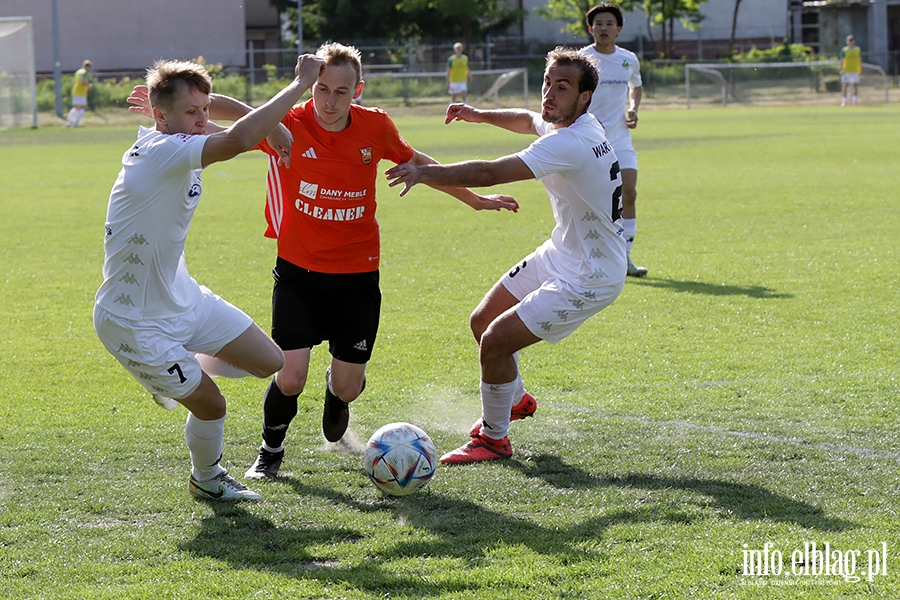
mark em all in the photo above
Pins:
pixel 274 196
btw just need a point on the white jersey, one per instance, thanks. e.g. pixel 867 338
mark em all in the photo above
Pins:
pixel 620 72
pixel 578 167
pixel 147 221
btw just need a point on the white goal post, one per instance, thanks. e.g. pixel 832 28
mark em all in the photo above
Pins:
pixel 713 72
pixel 18 84
pixel 500 78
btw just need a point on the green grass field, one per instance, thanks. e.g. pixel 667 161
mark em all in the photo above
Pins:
pixel 739 402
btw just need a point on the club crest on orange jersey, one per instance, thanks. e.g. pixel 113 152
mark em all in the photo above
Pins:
pixel 366 154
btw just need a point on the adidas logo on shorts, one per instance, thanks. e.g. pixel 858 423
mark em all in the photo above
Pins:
pixel 361 346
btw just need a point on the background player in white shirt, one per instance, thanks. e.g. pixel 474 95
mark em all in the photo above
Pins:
pixel 575 274
pixel 619 86
pixel 169 332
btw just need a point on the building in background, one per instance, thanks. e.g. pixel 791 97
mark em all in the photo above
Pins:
pixel 128 35
pixel 821 24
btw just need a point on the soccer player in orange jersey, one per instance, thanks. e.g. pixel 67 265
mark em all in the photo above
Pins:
pixel 321 208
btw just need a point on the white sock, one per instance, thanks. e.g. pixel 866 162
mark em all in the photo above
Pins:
pixel 204 440
pixel 71 118
pixel 496 402
pixel 216 367
pixel 269 448
pixel 78 116
pixel 629 230
pixel 853 100
pixel 520 383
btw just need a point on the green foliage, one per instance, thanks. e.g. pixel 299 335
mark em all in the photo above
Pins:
pixel 664 13
pixel 661 12
pixel 215 70
pixel 573 13
pixel 396 21
pixel 784 52
pixel 106 93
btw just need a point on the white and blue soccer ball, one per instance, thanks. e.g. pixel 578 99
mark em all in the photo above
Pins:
pixel 400 458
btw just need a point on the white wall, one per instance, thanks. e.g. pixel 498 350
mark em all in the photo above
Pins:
pixel 131 34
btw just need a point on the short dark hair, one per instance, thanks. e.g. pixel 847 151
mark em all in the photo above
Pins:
pixel 166 78
pixel 589 71
pixel 606 7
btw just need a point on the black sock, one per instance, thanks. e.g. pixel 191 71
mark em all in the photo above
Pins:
pixel 278 412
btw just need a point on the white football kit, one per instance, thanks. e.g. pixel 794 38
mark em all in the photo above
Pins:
pixel 149 312
pixel 581 269
pixel 620 72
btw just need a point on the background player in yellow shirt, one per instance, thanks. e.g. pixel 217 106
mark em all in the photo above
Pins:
pixel 851 69
pixel 458 74
pixel 84 81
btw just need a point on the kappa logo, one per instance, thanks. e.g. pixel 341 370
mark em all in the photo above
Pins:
pixel 124 299
pixel 562 314
pixel 310 190
pixel 138 239
pixel 361 346
pixel 310 153
pixel 366 154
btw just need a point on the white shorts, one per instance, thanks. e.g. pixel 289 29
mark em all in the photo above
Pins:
pixel 625 152
pixel 550 307
pixel 160 353
pixel 850 78
pixel 79 100
pixel 458 87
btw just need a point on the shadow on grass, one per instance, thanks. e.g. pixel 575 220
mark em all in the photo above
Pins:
pixel 449 528
pixel 465 530
pixel 744 501
pixel 711 289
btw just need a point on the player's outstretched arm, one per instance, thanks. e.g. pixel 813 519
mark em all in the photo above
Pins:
pixel 514 119
pixel 251 129
pixel 471 173
pixel 465 195
pixel 221 107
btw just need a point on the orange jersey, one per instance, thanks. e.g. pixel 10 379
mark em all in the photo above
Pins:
pixel 322 209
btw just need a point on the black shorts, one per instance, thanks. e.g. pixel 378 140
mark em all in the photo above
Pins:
pixel 309 308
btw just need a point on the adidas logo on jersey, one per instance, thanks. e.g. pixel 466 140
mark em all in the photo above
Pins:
pixel 311 153
pixel 361 346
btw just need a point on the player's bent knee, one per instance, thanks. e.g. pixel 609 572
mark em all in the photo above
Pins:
pixel 478 323
pixel 290 384
pixel 348 391
pixel 493 348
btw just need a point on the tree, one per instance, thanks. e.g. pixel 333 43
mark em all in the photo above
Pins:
pixel 336 19
pixel 665 12
pixel 573 12
pixel 461 19
pixel 737 5
pixel 398 20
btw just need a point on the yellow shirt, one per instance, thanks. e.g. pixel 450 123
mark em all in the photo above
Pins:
pixel 458 67
pixel 82 81
pixel 851 59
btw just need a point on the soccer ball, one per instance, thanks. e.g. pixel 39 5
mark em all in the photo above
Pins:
pixel 400 458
